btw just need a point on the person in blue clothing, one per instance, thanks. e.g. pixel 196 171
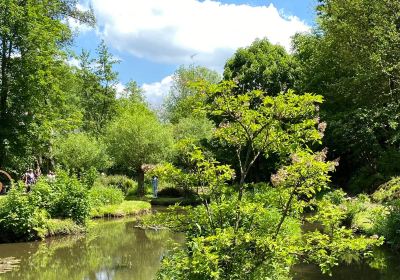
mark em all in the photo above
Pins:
pixel 154 183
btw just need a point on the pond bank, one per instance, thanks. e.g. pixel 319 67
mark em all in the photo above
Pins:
pixel 111 249
pixel 116 249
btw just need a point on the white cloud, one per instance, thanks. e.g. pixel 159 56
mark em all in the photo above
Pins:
pixel 156 92
pixel 172 31
pixel 120 88
pixel 72 61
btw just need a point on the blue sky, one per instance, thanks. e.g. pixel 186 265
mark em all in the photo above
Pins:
pixel 152 38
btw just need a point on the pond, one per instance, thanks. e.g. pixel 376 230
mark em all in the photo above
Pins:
pixel 116 250
pixel 112 249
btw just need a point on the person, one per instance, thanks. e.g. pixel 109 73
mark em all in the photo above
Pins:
pixel 154 182
pixel 29 179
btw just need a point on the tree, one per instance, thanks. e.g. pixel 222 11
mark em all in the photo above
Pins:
pixel 80 152
pixel 32 37
pixel 182 97
pixel 256 124
pixel 136 137
pixel 352 58
pixel 98 88
pixel 253 231
pixel 262 66
pixel 265 240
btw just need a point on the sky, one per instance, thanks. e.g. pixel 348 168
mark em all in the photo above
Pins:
pixel 152 38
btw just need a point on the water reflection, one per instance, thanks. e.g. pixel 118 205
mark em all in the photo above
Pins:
pixel 386 266
pixel 115 250
pixel 111 250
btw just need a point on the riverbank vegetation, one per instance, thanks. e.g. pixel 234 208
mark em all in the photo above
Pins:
pixel 280 141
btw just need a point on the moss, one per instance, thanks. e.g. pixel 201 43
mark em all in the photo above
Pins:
pixel 120 210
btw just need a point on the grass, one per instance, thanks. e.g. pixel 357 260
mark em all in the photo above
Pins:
pixel 62 227
pixel 167 201
pixel 126 208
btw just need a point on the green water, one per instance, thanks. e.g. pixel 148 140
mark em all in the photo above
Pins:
pixel 111 250
pixel 117 250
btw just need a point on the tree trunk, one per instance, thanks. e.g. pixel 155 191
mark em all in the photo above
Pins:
pixel 140 179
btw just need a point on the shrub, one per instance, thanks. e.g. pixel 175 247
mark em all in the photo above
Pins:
pixel 119 181
pixel 390 226
pixel 19 218
pixel 388 191
pixel 89 176
pixel 170 192
pixel 71 199
pixel 100 196
pixel 367 220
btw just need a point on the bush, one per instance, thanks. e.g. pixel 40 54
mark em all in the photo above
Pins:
pixel 89 176
pixel 367 220
pixel 119 181
pixel 388 191
pixel 390 226
pixel 73 201
pixel 19 218
pixel 171 192
pixel 100 196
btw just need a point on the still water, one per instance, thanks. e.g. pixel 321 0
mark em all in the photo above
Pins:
pixel 117 250
pixel 111 250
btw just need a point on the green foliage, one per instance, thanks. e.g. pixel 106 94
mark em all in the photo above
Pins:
pixel 262 66
pixel 57 227
pixel 388 192
pixel 390 226
pixel 258 235
pixel 352 59
pixel 71 199
pixel 182 97
pixel 81 152
pixel 335 243
pixel 100 196
pixel 254 124
pixel 120 182
pixel 135 137
pixel 19 218
pixel 98 94
pixel 120 210
pixel 193 128
pixel 36 85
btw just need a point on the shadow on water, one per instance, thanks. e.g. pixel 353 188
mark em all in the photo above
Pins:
pixel 385 267
pixel 111 250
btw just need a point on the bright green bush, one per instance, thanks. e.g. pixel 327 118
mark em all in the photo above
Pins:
pixel 121 182
pixel 71 199
pixel 388 191
pixel 19 218
pixel 368 219
pixel 100 196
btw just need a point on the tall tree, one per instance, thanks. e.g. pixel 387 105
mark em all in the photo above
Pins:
pixel 32 35
pixel 136 137
pixel 182 96
pixel 352 58
pixel 98 88
pixel 262 66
